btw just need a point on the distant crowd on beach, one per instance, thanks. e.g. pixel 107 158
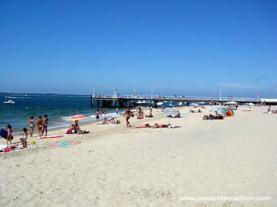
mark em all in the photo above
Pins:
pixel 41 125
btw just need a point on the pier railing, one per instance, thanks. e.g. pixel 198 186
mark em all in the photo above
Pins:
pixel 177 98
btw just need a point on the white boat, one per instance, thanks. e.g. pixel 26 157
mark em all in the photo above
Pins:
pixel 9 102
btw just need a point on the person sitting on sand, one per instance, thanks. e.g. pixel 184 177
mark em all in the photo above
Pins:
pixel 76 126
pixel 128 113
pixel 23 140
pixel 71 130
pixel 269 109
pixel 77 129
pixel 140 114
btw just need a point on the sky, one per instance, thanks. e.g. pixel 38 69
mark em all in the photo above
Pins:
pixel 175 47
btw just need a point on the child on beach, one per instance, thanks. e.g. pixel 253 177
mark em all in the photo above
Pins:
pixel 9 134
pixel 23 140
pixel 39 126
pixel 31 125
pixel 44 125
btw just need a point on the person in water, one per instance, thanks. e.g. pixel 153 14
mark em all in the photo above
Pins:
pixel 44 125
pixel 39 126
pixel 128 113
pixel 31 126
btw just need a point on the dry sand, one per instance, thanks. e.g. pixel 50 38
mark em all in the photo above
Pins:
pixel 115 166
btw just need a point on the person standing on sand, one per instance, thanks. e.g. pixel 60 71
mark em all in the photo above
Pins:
pixel 128 113
pixel 44 125
pixel 39 126
pixel 9 134
pixel 97 115
pixel 31 125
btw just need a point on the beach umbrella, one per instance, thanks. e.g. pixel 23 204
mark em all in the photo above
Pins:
pixel 78 117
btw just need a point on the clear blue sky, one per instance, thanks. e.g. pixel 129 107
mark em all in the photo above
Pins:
pixel 190 47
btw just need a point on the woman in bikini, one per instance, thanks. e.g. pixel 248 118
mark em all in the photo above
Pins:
pixel 39 126
pixel 44 124
pixel 31 126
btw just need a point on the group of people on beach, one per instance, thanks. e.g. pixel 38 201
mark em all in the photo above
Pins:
pixel 41 123
pixel 271 111
pixel 139 113
pixel 75 129
pixel 42 126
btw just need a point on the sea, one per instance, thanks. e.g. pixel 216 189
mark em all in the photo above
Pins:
pixel 59 109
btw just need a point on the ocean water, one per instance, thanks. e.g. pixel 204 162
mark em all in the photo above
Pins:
pixel 59 108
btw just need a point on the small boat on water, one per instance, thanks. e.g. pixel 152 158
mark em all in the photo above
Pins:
pixel 9 102
pixel 10 97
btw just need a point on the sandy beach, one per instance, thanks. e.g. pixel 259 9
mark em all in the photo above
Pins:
pixel 116 166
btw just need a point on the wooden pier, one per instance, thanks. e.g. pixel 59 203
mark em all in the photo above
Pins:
pixel 129 101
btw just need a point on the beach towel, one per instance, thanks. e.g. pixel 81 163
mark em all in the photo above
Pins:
pixel 63 144
pixel 51 137
pixel 2 146
pixel 17 147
